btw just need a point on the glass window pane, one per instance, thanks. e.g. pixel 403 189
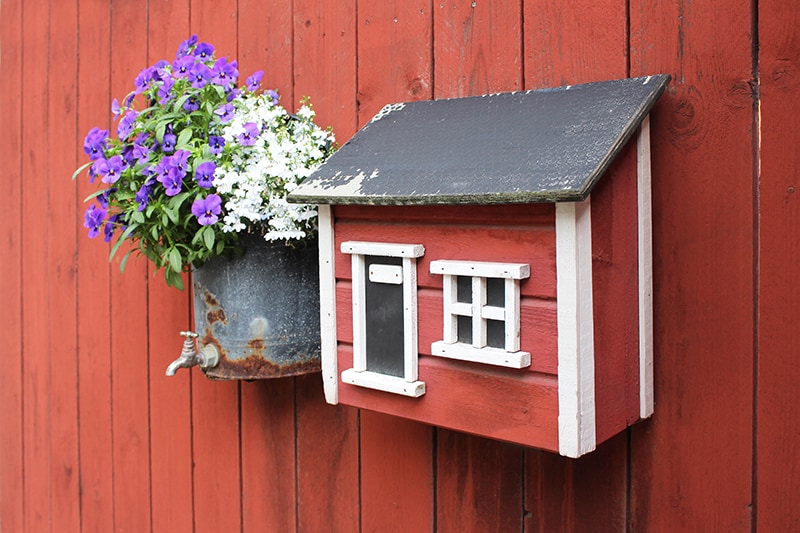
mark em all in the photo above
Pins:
pixel 496 292
pixel 464 289
pixel 496 333
pixel 465 329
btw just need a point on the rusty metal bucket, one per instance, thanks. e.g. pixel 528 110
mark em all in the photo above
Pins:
pixel 260 310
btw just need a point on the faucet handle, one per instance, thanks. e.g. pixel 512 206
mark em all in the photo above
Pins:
pixel 189 357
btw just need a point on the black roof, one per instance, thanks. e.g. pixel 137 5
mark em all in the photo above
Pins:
pixel 544 145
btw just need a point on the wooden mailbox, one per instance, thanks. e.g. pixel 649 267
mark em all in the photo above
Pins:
pixel 476 272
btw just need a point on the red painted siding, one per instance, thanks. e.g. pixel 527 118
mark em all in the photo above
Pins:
pixel 94 437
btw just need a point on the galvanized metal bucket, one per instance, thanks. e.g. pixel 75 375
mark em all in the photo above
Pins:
pixel 260 310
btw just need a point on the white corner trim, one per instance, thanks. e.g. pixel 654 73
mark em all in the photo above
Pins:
pixel 576 402
pixel 645 215
pixel 327 301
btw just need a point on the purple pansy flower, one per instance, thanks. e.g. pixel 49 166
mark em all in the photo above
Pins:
pixel 250 134
pixel 160 71
pixel 140 149
pixel 110 169
pixel 203 51
pixel 126 124
pixel 95 143
pixel 143 80
pixel 185 47
pixel 255 80
pixel 232 93
pixel 180 160
pixel 127 155
pixel 182 67
pixel 273 95
pixel 224 73
pixel 173 182
pixel 110 226
pixel 103 198
pixel 115 109
pixel 204 174
pixel 216 144
pixel 168 144
pixel 165 90
pixel 191 105
pixel 225 112
pixel 200 75
pixel 207 210
pixel 93 219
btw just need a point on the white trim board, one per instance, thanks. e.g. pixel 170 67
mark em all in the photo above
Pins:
pixel 576 399
pixel 644 199
pixel 327 301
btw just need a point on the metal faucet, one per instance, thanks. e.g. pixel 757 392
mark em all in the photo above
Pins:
pixel 207 357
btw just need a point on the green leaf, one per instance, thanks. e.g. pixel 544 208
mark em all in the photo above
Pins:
pixel 208 237
pixel 154 232
pixel 95 194
pixel 137 216
pixel 184 137
pixel 125 260
pixel 172 213
pixel 81 169
pixel 122 238
pixel 174 257
pixel 174 279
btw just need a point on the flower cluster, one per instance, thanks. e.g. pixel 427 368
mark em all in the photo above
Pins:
pixel 200 162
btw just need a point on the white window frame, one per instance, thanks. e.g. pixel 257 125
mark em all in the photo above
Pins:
pixel 478 351
pixel 408 385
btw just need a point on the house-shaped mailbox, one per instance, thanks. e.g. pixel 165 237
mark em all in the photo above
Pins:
pixel 485 263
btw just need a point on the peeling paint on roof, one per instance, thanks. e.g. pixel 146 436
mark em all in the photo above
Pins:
pixel 546 145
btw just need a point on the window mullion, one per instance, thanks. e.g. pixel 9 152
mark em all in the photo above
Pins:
pixel 478 302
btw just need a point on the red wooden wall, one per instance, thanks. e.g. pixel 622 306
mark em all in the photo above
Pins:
pixel 94 437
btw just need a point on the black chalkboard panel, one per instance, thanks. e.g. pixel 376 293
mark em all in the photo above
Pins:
pixel 532 146
pixel 384 322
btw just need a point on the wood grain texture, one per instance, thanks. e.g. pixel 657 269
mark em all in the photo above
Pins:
pixel 394 54
pixel 62 115
pixel 523 407
pixel 571 43
pixel 11 379
pixel 477 48
pixel 479 482
pixel 703 269
pixel 94 343
pixel 269 480
pixel 128 313
pixel 397 474
pixel 327 461
pixel 778 401
pixel 37 374
pixel 168 313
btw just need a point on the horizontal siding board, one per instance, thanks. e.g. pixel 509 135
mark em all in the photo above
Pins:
pixel 523 407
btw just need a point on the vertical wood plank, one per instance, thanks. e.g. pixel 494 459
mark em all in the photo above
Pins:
pixel 265 43
pixel 94 342
pixel 35 273
pixel 778 401
pixel 394 65
pixel 327 436
pixel 168 314
pixel 11 392
pixel 62 326
pixel 129 355
pixel 477 47
pixel 395 62
pixel 574 42
pixel 215 404
pixel 396 474
pixel 574 495
pixel 325 62
pixel 327 461
pixel 692 464
pixel 571 43
pixel 268 435
pixel 478 484
pixel 269 481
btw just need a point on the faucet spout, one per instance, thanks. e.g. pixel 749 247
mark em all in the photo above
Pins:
pixel 189 357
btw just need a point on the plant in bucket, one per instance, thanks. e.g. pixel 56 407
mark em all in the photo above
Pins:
pixel 196 180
